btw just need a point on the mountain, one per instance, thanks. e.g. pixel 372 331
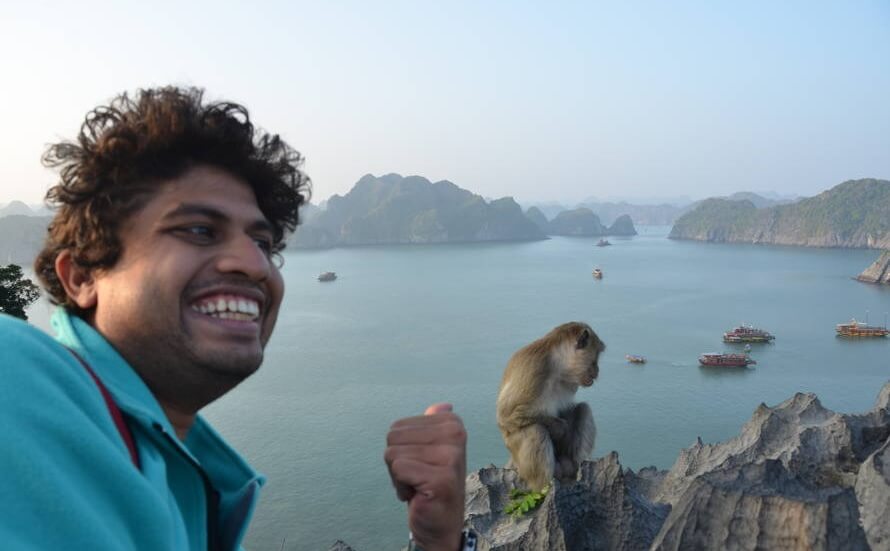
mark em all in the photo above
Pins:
pixel 855 213
pixel 16 208
pixel 395 209
pixel 581 221
pixel 649 215
pixel 21 238
pixel 535 215
pixel 759 201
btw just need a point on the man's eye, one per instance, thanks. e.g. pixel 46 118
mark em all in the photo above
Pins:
pixel 198 233
pixel 265 244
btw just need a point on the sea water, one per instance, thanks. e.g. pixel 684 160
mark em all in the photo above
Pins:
pixel 406 326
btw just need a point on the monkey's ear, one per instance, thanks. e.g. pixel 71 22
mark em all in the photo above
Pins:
pixel 582 339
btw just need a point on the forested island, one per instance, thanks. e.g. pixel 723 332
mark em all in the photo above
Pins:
pixel 853 214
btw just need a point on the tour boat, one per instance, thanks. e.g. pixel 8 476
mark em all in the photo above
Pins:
pixel 747 333
pixel 725 360
pixel 327 276
pixel 635 358
pixel 859 329
pixel 597 273
pixel 603 243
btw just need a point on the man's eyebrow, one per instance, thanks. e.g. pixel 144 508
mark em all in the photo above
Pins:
pixel 193 209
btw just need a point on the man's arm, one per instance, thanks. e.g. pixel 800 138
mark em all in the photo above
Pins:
pixel 427 460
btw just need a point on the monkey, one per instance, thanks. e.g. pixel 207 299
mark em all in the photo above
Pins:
pixel 546 432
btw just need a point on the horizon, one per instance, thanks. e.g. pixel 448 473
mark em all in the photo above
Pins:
pixel 541 104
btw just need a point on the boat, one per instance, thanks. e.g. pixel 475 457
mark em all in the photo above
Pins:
pixel 597 273
pixel 603 243
pixel 725 360
pixel 635 358
pixel 858 329
pixel 327 276
pixel 747 333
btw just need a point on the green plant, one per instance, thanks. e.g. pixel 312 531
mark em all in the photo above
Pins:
pixel 523 501
pixel 16 291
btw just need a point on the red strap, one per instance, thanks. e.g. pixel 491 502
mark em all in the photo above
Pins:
pixel 115 411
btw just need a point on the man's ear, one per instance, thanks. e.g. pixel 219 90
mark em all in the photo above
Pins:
pixel 79 284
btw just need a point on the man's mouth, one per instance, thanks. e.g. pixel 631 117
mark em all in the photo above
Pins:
pixel 228 307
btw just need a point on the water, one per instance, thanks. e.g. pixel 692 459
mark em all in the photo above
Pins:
pixel 407 326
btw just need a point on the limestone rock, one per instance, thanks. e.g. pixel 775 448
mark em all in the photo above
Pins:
pixel 879 271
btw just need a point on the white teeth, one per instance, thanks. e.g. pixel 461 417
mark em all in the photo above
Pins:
pixel 221 305
pixel 211 307
pixel 233 305
pixel 243 306
pixel 231 308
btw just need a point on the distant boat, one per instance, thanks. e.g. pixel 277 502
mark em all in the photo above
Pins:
pixel 747 333
pixel 725 360
pixel 327 276
pixel 597 273
pixel 858 329
pixel 603 243
pixel 635 359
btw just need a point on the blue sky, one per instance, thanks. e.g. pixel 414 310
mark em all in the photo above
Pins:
pixel 561 101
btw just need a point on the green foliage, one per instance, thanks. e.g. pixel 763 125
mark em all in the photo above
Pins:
pixel 523 501
pixel 16 291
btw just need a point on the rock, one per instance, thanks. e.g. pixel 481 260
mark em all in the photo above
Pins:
pixel 878 272
pixel 798 476
pixel 602 509
pixel 577 222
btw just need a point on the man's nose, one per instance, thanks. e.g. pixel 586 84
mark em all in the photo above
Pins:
pixel 243 255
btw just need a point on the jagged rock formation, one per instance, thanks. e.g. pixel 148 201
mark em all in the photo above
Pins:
pixel 798 476
pixel 879 272
pixel 577 222
pixel 394 209
pixel 538 217
pixel 855 213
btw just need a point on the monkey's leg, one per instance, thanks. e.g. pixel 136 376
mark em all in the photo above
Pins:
pixel 532 455
pixel 578 444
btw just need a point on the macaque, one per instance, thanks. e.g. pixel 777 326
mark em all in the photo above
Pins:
pixel 547 433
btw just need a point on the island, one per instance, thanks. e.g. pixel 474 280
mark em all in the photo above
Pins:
pixel 853 214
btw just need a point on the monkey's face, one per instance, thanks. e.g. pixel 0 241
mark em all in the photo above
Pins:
pixel 587 348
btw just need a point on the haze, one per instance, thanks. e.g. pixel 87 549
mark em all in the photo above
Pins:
pixel 543 103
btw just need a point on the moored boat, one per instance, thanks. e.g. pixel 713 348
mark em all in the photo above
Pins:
pixel 635 358
pixel 327 276
pixel 747 333
pixel 597 273
pixel 859 329
pixel 725 360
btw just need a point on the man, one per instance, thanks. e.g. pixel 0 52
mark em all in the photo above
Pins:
pixel 162 259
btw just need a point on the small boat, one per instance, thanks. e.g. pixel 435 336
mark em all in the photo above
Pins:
pixel 603 243
pixel 747 333
pixel 597 273
pixel 327 276
pixel 635 358
pixel 725 360
pixel 858 329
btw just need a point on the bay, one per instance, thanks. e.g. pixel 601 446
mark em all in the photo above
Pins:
pixel 406 326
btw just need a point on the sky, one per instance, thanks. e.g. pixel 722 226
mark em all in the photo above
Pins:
pixel 558 101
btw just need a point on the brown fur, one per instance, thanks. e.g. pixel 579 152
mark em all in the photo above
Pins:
pixel 546 432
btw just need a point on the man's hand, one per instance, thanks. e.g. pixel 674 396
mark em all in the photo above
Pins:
pixel 427 460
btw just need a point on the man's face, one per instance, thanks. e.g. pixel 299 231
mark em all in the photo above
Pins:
pixel 194 297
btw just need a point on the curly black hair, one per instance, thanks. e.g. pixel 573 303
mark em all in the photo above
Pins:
pixel 127 149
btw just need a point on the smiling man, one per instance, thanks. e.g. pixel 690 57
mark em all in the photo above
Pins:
pixel 162 257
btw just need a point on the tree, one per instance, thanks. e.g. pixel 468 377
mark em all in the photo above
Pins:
pixel 16 291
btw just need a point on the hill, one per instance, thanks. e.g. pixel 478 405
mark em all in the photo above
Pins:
pixel 395 209
pixel 855 213
pixel 21 238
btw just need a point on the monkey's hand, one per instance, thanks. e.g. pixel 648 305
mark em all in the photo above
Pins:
pixel 427 460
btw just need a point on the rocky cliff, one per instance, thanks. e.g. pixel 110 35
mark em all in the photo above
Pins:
pixel 853 214
pixel 798 476
pixel 879 272
pixel 394 209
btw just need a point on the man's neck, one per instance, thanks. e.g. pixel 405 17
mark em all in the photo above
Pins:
pixel 182 421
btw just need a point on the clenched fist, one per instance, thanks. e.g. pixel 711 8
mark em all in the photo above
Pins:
pixel 427 460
